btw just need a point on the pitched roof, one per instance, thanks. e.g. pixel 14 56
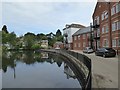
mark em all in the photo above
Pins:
pixel 82 31
pixel 74 26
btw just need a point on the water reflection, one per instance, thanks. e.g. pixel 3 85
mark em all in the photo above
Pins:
pixel 42 64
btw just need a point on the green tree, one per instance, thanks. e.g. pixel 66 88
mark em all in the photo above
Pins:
pixel 12 39
pixel 29 39
pixel 41 36
pixel 4 37
pixel 60 38
pixel 58 33
pixel 5 29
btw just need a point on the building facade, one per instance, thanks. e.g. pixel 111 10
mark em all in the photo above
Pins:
pixel 107 17
pixel 70 30
pixel 58 45
pixel 81 38
pixel 44 43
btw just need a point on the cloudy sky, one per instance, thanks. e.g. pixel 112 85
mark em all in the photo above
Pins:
pixel 45 17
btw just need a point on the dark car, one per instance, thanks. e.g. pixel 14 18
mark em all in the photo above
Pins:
pixel 88 50
pixel 105 52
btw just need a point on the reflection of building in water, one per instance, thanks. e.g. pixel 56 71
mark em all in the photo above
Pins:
pixel 44 55
pixel 68 71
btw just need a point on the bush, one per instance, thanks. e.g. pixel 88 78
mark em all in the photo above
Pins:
pixel 36 46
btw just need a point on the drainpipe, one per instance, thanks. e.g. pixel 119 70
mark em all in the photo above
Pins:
pixel 109 24
pixel 91 36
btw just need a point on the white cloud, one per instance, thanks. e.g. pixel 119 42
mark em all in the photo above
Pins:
pixel 48 0
pixel 46 15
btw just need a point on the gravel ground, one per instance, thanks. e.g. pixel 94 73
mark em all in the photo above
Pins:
pixel 104 71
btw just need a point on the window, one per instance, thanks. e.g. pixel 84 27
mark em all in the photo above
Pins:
pixel 74 37
pixel 84 36
pixel 97 20
pixel 103 29
pixel 104 15
pixel 78 44
pixel 114 42
pixel 88 35
pixel 74 44
pixel 106 29
pixel 115 26
pixel 78 37
pixel 83 44
pixel 105 43
pixel 115 9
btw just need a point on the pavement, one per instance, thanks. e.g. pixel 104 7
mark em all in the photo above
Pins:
pixel 104 71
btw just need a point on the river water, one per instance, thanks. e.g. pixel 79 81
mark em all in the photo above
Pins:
pixel 36 70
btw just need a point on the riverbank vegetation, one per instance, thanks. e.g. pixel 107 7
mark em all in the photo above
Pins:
pixel 28 41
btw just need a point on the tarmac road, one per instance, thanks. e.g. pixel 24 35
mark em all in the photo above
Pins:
pixel 104 71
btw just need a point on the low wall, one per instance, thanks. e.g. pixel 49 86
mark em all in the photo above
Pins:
pixel 81 62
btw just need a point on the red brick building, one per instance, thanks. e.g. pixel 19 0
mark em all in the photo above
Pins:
pixel 81 39
pixel 107 16
pixel 58 45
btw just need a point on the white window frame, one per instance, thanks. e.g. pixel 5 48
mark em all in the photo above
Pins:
pixel 115 25
pixel 78 37
pixel 75 38
pixel 103 29
pixel 106 28
pixel 75 45
pixel 105 43
pixel 113 10
pixel 84 44
pixel 106 14
pixel 79 44
pixel 84 35
pixel 114 42
pixel 102 16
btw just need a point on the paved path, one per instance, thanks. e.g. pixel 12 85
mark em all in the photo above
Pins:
pixel 104 71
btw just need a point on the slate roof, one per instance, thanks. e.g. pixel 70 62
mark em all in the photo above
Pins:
pixel 82 31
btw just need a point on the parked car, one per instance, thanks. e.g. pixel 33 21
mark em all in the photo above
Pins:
pixel 88 50
pixel 105 52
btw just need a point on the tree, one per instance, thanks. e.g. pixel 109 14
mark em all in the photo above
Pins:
pixel 29 39
pixel 58 33
pixel 51 41
pixel 5 29
pixel 41 36
pixel 4 37
pixel 60 38
pixel 12 38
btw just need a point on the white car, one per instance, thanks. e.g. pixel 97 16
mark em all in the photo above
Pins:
pixel 88 50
